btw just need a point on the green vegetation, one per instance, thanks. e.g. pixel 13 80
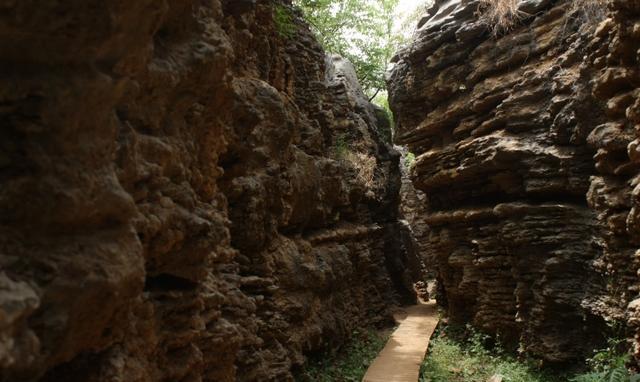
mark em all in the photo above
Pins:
pixel 609 365
pixel 359 30
pixel 460 355
pixel 284 21
pixel 452 359
pixel 409 160
pixel 348 364
pixel 618 374
pixel 367 33
pixel 341 146
pixel 385 117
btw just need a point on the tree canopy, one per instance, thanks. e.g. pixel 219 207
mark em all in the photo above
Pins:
pixel 359 30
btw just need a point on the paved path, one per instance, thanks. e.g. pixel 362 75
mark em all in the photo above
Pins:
pixel 401 358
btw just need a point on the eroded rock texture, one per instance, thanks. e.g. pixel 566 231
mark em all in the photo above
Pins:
pixel 414 209
pixel 615 191
pixel 526 145
pixel 190 191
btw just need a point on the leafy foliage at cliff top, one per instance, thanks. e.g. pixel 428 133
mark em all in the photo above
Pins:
pixel 359 30
pixel 363 31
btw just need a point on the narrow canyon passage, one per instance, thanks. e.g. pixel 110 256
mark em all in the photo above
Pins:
pixel 196 191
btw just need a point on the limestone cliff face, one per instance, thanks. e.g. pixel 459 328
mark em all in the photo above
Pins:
pixel 527 153
pixel 190 191
pixel 615 191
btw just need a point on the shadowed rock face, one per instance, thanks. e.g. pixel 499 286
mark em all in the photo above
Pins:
pixel 526 146
pixel 180 199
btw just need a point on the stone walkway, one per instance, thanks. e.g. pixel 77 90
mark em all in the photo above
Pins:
pixel 403 354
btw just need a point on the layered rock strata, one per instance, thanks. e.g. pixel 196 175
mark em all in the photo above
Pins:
pixel 190 192
pixel 615 190
pixel 526 152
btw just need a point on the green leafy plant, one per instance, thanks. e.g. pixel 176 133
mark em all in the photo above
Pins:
pixel 618 374
pixel 477 341
pixel 611 357
pixel 609 365
pixel 283 19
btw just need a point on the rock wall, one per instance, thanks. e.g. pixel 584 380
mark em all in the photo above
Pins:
pixel 190 191
pixel 614 193
pixel 414 208
pixel 527 152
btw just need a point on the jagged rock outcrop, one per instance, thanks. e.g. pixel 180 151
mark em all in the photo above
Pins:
pixel 526 145
pixel 190 192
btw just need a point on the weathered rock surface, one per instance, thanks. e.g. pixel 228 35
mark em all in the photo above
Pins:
pixel 414 209
pixel 190 192
pixel 526 146
pixel 615 190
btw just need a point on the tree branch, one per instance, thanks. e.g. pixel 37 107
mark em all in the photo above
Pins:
pixel 374 96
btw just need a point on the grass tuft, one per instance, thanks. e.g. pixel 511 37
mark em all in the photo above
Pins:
pixel 365 165
pixel 503 15
pixel 500 15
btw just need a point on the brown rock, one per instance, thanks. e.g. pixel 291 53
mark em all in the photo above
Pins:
pixel 173 204
pixel 526 152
